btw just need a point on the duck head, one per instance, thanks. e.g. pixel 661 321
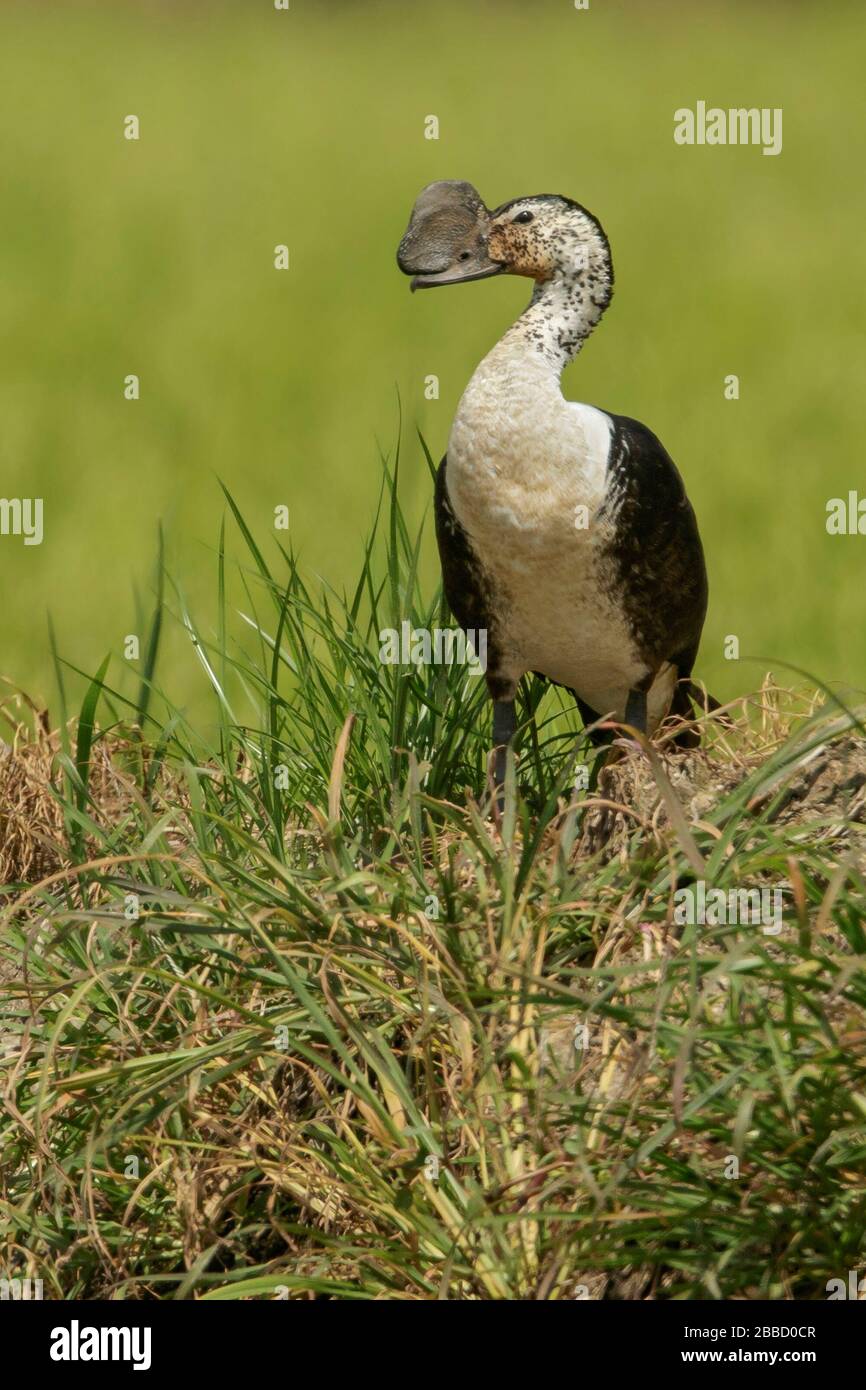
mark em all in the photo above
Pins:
pixel 547 238
pixel 446 240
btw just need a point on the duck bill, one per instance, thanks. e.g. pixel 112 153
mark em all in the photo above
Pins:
pixel 456 275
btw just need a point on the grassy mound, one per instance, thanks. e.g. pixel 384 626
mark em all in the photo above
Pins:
pixel 286 1014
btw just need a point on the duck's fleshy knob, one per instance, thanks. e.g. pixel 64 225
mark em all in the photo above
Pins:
pixel 446 240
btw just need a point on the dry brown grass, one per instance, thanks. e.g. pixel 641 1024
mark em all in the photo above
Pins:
pixel 830 778
pixel 33 842
pixel 31 818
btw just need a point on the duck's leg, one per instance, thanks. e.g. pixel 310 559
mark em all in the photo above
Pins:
pixel 504 725
pixel 636 716
pixel 635 709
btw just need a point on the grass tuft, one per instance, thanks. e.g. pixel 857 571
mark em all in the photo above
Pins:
pixel 285 1012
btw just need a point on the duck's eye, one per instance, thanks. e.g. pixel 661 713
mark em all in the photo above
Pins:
pixel 524 216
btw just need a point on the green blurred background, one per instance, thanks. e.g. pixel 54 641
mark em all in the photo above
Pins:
pixel 306 127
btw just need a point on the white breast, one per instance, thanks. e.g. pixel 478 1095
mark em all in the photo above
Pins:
pixel 526 470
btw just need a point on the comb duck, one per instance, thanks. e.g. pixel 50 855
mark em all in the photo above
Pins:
pixel 563 530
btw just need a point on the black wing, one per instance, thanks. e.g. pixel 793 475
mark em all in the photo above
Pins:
pixel 656 555
pixel 467 585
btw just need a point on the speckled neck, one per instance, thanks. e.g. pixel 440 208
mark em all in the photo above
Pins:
pixel 564 310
